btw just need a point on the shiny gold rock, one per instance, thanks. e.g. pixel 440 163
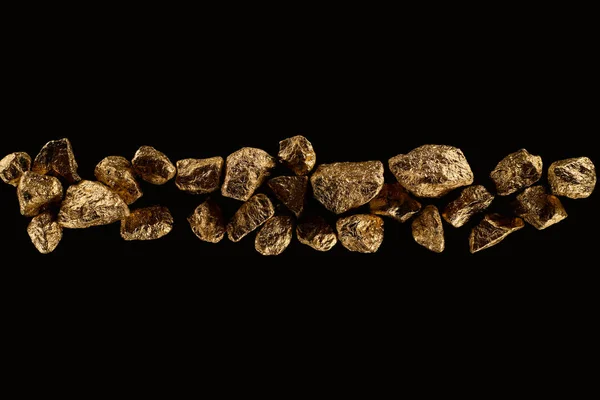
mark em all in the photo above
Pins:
pixel 345 185
pixel 199 176
pixel 37 192
pixel 13 166
pixel 362 233
pixel 246 170
pixel 56 158
pixel 472 200
pixel 291 191
pixel 432 170
pixel 297 154
pixel 117 173
pixel 45 232
pixel 493 229
pixel 538 208
pixel 274 236
pixel 153 166
pixel 395 202
pixel 207 222
pixel 147 223
pixel 427 229
pixel 315 232
pixel 250 216
pixel 574 178
pixel 516 171
pixel 91 203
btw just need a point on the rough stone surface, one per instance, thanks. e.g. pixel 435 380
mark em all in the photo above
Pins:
pixel 394 201
pixel 297 154
pixel 45 232
pixel 117 173
pixel 37 192
pixel 245 171
pixel 362 233
pixel 153 166
pixel 574 178
pixel 56 158
pixel 538 208
pixel 472 200
pixel 274 236
pixel 493 229
pixel 250 216
pixel 427 229
pixel 291 191
pixel 13 166
pixel 147 223
pixel 199 176
pixel 315 232
pixel 516 171
pixel 207 222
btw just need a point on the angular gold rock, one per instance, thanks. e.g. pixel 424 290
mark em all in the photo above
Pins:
pixel 117 173
pixel 207 222
pixel 345 185
pixel 56 158
pixel 45 232
pixel 472 200
pixel 395 202
pixel 153 166
pixel 427 229
pixel 315 232
pixel 147 223
pixel 432 170
pixel 37 192
pixel 91 203
pixel 538 208
pixel 291 191
pixel 250 216
pixel 493 229
pixel 516 171
pixel 362 233
pixel 13 166
pixel 246 170
pixel 199 176
pixel 574 178
pixel 274 236
pixel 297 154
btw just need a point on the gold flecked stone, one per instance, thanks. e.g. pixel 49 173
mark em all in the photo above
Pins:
pixel 427 229
pixel 13 166
pixel 207 222
pixel 37 192
pixel 538 208
pixel 274 236
pixel 493 229
pixel 297 154
pixel 45 232
pixel 362 233
pixel 147 223
pixel 57 159
pixel 516 171
pixel 117 173
pixel 250 216
pixel 246 169
pixel 199 176
pixel 574 178
pixel 153 166
pixel 315 232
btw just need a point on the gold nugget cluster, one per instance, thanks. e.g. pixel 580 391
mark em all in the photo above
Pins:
pixel 429 171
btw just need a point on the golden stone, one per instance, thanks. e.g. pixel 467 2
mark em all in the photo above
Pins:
pixel 57 159
pixel 493 229
pixel 37 192
pixel 472 200
pixel 297 154
pixel 538 208
pixel 245 171
pixel 274 236
pixel 13 166
pixel 315 232
pixel 395 202
pixel 362 233
pixel 250 216
pixel 147 223
pixel 207 222
pixel 574 178
pixel 45 232
pixel 427 229
pixel 516 171
pixel 117 173
pixel 153 166
pixel 199 176
pixel 291 191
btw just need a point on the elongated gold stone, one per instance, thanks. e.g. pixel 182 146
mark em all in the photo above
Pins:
pixel 362 233
pixel 13 166
pixel 427 229
pixel 37 192
pixel 245 171
pixel 394 201
pixel 45 232
pixel 472 200
pixel 207 222
pixel 297 154
pixel 147 223
pixel 493 229
pixel 274 236
pixel 574 178
pixel 56 158
pixel 117 173
pixel 538 208
pixel 250 216
pixel 291 191
pixel 153 166
pixel 315 232
pixel 199 176
pixel 516 171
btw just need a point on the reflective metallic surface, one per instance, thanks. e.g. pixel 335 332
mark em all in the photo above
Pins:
pixel 56 158
pixel 538 208
pixel 427 229
pixel 147 223
pixel 315 232
pixel 291 191
pixel 274 236
pixel 516 171
pixel 207 222
pixel 245 171
pixel 37 192
pixel 297 154
pixel 472 200
pixel 493 229
pixel 117 173
pixel 199 176
pixel 250 216
pixel 153 166
pixel 394 201
pixel 45 232
pixel 362 233
pixel 13 166
pixel 574 177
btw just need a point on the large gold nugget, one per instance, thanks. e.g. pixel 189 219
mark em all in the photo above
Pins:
pixel 427 229
pixel 291 191
pixel 393 201
pixel 432 170
pixel 13 166
pixel 315 232
pixel 297 154
pixel 199 176
pixel 274 236
pixel 91 203
pixel 207 222
pixel 153 166
pixel 346 185
pixel 246 170
pixel 45 232
pixel 56 158
pixel 516 171
pixel 250 216
pixel 472 200
pixel 36 192
pixel 574 178
pixel 538 208
pixel 492 230
pixel 147 223
pixel 117 173
pixel 362 233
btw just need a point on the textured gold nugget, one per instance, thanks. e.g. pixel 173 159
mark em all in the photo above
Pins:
pixel 147 223
pixel 574 178
pixel 297 154
pixel 432 170
pixel 45 232
pixel 207 222
pixel 362 233
pixel 199 176
pixel 117 173
pixel 472 200
pixel 56 158
pixel 37 192
pixel 153 166
pixel 274 236
pixel 291 191
pixel 346 185
pixel 538 208
pixel 493 229
pixel 13 166
pixel 91 203
pixel 516 171
pixel 427 229
pixel 250 216
pixel 395 202
pixel 315 232
pixel 245 171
